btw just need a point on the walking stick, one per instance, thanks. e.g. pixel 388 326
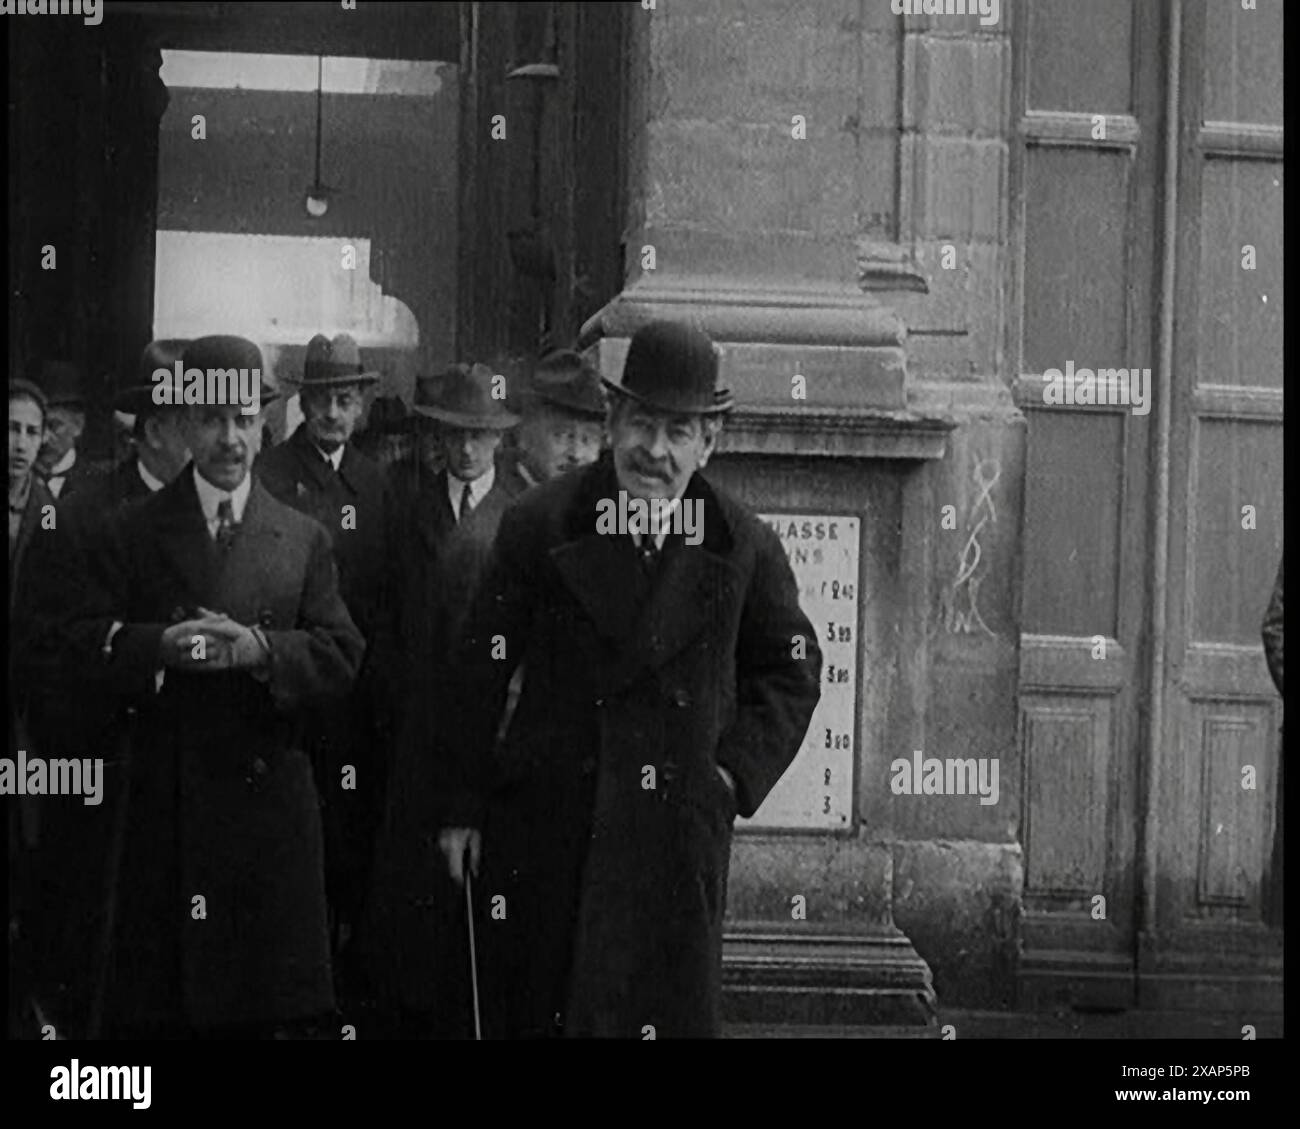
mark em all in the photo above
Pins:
pixel 473 959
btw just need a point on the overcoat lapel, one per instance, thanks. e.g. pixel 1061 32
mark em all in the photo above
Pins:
pixel 244 573
pixel 183 534
pixel 433 516
pixel 601 571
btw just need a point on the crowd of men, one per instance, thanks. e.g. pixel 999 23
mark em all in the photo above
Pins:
pixel 331 689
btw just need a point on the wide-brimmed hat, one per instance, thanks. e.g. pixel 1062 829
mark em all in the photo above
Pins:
pixel 462 396
pixel 61 382
pixel 333 362
pixel 566 380
pixel 224 351
pixel 673 368
pixel 136 398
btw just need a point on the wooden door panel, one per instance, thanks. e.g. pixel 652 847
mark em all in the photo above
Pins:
pixel 1215 831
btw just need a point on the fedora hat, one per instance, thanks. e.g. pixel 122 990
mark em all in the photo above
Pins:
pixel 61 383
pixel 566 380
pixel 136 398
pixel 222 351
pixel 673 368
pixel 462 396
pixel 334 362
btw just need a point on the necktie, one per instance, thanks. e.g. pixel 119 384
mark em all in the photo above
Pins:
pixel 225 523
pixel 466 503
pixel 648 554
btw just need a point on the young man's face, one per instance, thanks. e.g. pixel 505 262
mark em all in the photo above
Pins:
pixel 63 427
pixel 332 414
pixel 224 442
pixel 469 451
pixel 26 431
pixel 656 453
pixel 554 442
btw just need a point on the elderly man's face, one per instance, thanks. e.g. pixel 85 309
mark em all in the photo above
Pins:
pixel 469 451
pixel 224 442
pixel 164 436
pixel 63 427
pixel 554 442
pixel 656 453
pixel 332 414
pixel 26 430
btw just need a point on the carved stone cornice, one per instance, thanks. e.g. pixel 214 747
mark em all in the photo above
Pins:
pixel 847 346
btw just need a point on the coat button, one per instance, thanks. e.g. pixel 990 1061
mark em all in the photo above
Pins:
pixel 587 766
pixel 681 698
pixel 260 768
pixel 600 703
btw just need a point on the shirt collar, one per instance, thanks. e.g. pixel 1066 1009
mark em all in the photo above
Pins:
pixel 335 460
pixel 665 515
pixel 210 497
pixel 478 489
pixel 154 484
pixel 61 468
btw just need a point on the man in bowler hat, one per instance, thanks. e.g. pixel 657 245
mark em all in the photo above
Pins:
pixel 158 451
pixel 563 424
pixel 213 610
pixel 669 686
pixel 449 523
pixel 319 471
pixel 60 464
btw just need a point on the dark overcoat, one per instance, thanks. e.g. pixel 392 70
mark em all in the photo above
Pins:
pixel 356 730
pixel 295 473
pixel 606 825
pixel 411 905
pixel 221 801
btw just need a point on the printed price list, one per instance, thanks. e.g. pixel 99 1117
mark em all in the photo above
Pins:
pixel 817 789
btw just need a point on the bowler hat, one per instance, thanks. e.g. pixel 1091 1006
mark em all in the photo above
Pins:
pixel 334 362
pixel 224 351
pixel 566 380
pixel 136 398
pixel 61 383
pixel 462 396
pixel 673 368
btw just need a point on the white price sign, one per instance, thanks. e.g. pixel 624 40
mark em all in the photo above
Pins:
pixel 817 789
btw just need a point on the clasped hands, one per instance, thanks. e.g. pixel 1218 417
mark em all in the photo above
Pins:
pixel 212 641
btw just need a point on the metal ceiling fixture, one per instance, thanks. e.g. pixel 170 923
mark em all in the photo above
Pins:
pixel 318 194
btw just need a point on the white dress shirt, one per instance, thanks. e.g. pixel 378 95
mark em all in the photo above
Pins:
pixel 154 484
pixel 335 458
pixel 478 489
pixel 59 472
pixel 666 522
pixel 210 497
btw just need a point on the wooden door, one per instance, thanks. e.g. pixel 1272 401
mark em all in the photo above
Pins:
pixel 1085 167
pixel 1217 770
